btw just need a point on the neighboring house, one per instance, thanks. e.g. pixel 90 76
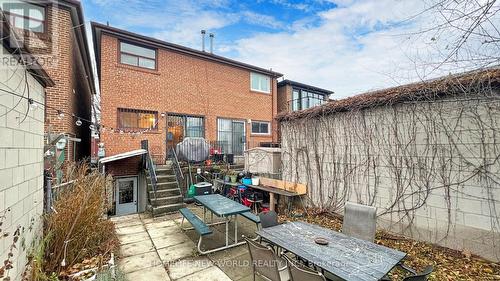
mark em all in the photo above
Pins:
pixel 162 92
pixel 21 152
pixel 425 154
pixel 55 32
pixel 293 96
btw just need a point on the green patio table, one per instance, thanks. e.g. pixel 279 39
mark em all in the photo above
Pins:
pixel 225 208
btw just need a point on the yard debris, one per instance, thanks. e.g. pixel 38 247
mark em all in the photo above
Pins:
pixel 448 264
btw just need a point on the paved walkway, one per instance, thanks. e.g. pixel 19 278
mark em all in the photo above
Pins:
pixel 157 249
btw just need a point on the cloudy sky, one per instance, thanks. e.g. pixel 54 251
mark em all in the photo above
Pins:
pixel 347 46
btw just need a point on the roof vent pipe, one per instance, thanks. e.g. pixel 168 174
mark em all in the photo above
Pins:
pixel 203 40
pixel 212 43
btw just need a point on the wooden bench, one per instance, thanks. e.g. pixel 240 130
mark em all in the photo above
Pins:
pixel 196 222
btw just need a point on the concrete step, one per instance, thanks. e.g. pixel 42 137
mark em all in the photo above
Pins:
pixel 165 193
pixel 165 201
pixel 165 178
pixel 163 185
pixel 158 211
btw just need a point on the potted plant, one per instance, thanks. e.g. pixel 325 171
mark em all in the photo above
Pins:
pixel 233 175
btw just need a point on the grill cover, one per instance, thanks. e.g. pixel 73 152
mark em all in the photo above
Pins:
pixel 193 149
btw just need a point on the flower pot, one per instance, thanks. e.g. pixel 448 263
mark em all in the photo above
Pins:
pixel 234 179
pixel 255 181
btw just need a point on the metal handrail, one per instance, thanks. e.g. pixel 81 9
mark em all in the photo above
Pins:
pixel 176 163
pixel 150 166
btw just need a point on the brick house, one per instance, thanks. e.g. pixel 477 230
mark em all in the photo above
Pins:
pixel 162 92
pixel 55 33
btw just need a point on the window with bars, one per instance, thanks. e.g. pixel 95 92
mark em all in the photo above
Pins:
pixel 135 55
pixel 26 16
pixel 137 119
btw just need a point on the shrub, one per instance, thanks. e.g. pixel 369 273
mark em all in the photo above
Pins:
pixel 77 227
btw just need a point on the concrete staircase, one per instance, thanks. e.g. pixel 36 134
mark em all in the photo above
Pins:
pixel 168 195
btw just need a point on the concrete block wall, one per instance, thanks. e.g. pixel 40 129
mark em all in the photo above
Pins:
pixel 21 164
pixel 439 159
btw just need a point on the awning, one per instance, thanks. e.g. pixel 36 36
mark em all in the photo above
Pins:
pixel 123 156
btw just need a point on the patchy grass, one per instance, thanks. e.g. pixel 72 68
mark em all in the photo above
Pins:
pixel 448 264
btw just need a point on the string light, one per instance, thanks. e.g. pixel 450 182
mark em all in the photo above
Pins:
pixel 79 120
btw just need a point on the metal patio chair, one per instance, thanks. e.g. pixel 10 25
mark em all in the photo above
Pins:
pixel 422 276
pixel 268 219
pixel 360 221
pixel 301 273
pixel 266 263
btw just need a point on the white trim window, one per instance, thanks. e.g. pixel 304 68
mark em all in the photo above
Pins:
pixel 260 83
pixel 137 56
pixel 261 128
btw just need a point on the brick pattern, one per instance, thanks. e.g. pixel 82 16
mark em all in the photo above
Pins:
pixel 21 164
pixel 182 84
pixel 58 52
pixel 125 167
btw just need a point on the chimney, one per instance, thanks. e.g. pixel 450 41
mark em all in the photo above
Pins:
pixel 212 43
pixel 203 40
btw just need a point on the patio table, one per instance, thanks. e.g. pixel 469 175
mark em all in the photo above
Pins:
pixel 225 208
pixel 346 257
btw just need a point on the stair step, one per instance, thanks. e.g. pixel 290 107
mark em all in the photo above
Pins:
pixel 164 201
pixel 165 193
pixel 167 209
pixel 163 185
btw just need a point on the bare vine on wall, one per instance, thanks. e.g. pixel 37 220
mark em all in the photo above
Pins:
pixel 400 156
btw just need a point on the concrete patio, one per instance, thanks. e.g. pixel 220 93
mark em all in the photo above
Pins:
pixel 157 249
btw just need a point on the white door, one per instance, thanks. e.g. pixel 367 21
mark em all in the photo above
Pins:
pixel 126 196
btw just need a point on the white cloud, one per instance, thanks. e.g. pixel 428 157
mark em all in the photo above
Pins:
pixel 348 52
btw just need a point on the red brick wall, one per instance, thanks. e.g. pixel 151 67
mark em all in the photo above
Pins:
pixel 58 52
pixel 182 84
pixel 284 96
pixel 125 167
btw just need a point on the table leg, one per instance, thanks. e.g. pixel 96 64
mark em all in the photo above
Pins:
pixel 204 214
pixel 271 201
pixel 227 231
pixel 235 229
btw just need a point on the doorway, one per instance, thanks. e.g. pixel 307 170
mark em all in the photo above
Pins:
pixel 231 136
pixel 182 126
pixel 126 196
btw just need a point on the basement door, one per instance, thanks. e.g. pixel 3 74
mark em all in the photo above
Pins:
pixel 126 196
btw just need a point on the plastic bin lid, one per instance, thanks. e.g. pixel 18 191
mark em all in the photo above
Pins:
pixel 202 184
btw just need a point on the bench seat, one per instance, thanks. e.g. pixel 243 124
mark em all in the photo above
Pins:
pixel 196 222
pixel 252 217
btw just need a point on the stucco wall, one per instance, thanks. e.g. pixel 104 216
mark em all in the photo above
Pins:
pixel 431 168
pixel 21 164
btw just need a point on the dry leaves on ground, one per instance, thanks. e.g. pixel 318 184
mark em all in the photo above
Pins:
pixel 448 264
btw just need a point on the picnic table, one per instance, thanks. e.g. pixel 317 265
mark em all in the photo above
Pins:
pixel 346 257
pixel 225 208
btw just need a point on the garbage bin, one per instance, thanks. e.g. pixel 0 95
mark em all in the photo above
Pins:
pixel 203 188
